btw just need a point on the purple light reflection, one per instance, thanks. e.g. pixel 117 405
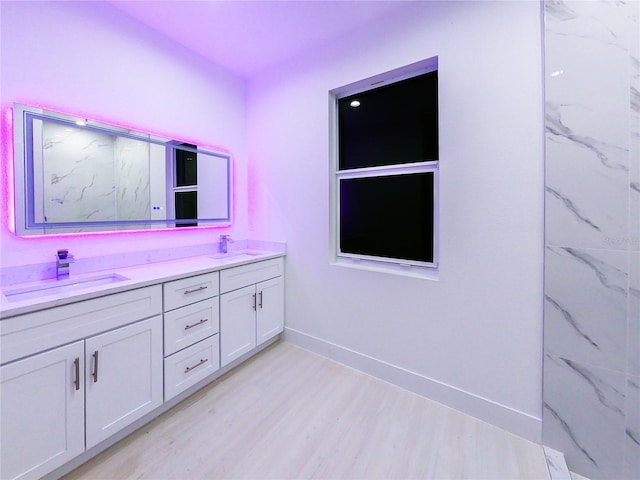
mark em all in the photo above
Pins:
pixel 6 181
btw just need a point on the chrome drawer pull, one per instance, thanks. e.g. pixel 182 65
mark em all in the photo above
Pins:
pixel 201 362
pixel 95 367
pixel 187 327
pixel 260 304
pixel 203 287
pixel 76 364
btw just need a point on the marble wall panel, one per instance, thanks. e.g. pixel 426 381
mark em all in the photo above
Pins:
pixel 592 220
pixel 634 126
pixel 587 85
pixel 588 425
pixel 633 334
pixel 631 467
pixel 79 180
pixel 585 305
pixel 132 179
pixel 593 217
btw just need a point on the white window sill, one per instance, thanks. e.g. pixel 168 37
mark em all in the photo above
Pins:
pixel 394 268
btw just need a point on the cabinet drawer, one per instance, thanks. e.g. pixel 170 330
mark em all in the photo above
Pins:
pixel 187 367
pixel 188 325
pixel 190 290
pixel 238 277
pixel 38 331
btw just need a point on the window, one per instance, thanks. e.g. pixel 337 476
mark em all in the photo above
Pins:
pixel 186 185
pixel 385 172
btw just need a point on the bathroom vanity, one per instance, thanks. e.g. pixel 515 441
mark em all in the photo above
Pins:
pixel 85 362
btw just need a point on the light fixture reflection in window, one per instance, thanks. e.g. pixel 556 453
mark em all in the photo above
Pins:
pixel 355 103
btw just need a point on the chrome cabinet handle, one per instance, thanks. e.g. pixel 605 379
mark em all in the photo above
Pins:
pixel 95 367
pixel 254 301
pixel 76 366
pixel 203 287
pixel 260 304
pixel 201 362
pixel 187 327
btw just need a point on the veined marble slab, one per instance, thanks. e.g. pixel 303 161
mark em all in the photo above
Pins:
pixel 585 307
pixel 633 334
pixel 631 467
pixel 132 172
pixel 592 239
pixel 73 190
pixel 584 416
pixel 588 50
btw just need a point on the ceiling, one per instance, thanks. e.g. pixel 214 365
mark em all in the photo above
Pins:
pixel 246 37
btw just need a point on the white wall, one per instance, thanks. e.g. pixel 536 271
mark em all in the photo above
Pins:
pixel 91 59
pixel 472 339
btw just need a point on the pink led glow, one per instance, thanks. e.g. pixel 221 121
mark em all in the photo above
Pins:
pixel 89 119
pixel 6 162
pixel 7 183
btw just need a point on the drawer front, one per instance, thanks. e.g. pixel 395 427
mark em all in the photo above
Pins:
pixel 188 325
pixel 238 277
pixel 190 290
pixel 187 367
pixel 34 332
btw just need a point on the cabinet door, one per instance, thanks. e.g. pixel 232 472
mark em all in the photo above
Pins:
pixel 123 377
pixel 270 313
pixel 237 323
pixel 42 412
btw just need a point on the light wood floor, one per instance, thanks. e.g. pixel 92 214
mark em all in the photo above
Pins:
pixel 291 414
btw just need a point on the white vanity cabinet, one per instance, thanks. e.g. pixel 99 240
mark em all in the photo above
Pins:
pixel 191 325
pixel 100 370
pixel 251 307
pixel 42 412
pixel 123 379
pixel 73 376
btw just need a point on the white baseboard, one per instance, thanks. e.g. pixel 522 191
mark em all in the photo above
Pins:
pixel 514 421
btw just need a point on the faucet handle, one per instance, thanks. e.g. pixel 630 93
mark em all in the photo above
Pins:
pixel 64 255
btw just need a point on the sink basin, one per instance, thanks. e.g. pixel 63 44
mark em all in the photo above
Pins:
pixel 237 255
pixel 61 286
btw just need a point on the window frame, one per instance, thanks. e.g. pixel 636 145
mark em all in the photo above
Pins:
pixel 413 268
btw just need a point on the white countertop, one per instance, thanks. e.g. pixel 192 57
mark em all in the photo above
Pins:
pixel 136 277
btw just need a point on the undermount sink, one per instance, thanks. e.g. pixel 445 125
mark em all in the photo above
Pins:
pixel 61 286
pixel 237 255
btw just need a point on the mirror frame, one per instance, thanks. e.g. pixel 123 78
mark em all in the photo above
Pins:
pixel 24 179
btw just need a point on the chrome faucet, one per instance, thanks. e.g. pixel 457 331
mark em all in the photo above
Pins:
pixel 225 240
pixel 63 261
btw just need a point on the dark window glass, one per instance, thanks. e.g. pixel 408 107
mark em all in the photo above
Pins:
pixel 186 208
pixel 186 166
pixel 390 216
pixel 393 124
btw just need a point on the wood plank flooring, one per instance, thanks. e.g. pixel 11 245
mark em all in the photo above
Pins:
pixel 291 414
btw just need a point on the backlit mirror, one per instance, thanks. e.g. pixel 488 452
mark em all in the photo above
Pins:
pixel 74 175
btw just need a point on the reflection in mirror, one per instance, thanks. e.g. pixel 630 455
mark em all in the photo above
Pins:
pixel 78 176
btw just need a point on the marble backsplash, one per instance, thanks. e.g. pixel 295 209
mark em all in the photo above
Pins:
pixel 592 236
